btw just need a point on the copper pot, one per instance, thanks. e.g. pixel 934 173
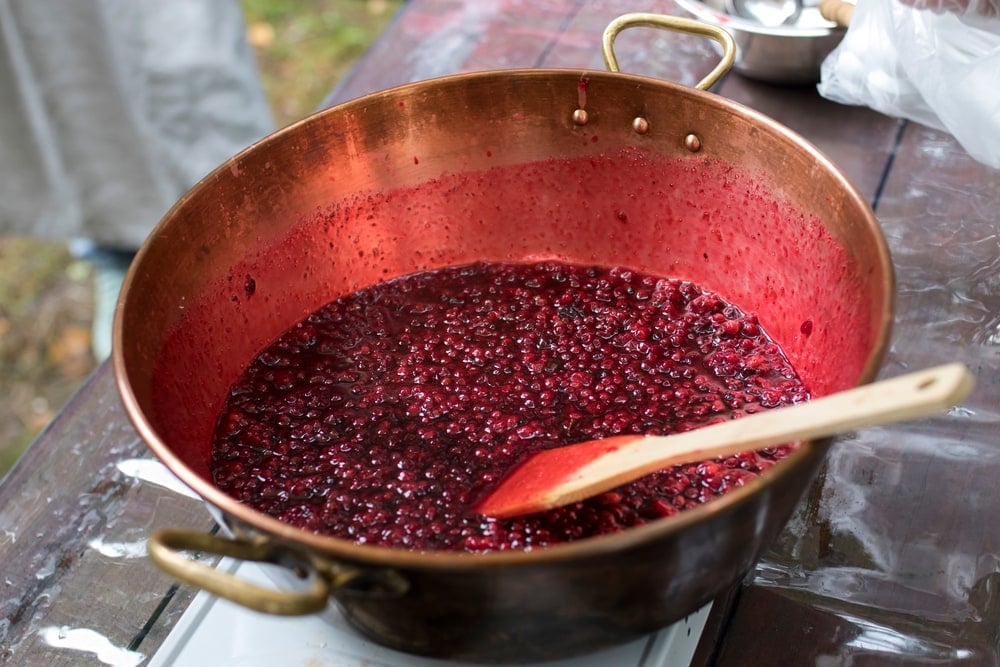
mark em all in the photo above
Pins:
pixel 591 167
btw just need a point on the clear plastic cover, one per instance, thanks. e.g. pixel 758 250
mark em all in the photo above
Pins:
pixel 934 62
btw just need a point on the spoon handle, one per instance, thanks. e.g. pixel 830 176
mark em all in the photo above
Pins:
pixel 555 477
pixel 838 11
pixel 902 398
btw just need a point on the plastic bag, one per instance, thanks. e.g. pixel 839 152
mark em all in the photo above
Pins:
pixel 937 63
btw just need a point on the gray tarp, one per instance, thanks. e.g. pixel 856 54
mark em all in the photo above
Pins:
pixel 111 109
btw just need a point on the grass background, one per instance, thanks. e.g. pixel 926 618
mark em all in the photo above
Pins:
pixel 303 48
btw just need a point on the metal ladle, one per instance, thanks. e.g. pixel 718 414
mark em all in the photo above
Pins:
pixel 770 13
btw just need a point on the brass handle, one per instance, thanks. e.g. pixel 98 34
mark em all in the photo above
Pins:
pixel 677 24
pixel 165 549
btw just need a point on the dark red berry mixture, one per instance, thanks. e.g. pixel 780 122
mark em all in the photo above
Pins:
pixel 386 415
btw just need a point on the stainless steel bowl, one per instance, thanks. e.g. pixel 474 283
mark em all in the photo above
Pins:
pixel 787 54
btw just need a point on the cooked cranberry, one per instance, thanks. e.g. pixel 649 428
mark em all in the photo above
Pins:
pixel 386 415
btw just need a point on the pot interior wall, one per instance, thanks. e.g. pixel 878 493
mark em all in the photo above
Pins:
pixel 317 212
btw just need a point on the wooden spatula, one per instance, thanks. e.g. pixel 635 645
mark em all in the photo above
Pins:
pixel 559 476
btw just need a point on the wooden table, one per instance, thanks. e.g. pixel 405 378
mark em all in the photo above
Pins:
pixel 893 556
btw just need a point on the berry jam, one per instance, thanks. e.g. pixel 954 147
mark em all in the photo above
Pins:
pixel 386 415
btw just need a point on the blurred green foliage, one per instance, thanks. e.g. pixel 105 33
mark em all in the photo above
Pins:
pixel 305 46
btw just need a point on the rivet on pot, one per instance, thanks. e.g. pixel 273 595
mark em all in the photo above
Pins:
pixel 692 142
pixel 580 117
pixel 640 125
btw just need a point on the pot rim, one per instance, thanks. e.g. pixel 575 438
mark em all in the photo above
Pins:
pixel 336 547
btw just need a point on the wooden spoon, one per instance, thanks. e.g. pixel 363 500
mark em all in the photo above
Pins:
pixel 838 11
pixel 559 476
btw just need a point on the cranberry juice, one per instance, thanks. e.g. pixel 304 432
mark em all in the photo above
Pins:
pixel 386 415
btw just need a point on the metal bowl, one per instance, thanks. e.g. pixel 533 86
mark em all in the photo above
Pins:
pixel 787 54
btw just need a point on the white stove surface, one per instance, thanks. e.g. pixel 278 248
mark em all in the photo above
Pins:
pixel 221 634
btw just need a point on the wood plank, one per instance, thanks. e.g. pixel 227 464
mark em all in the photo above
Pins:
pixel 939 213
pixel 776 628
pixel 893 559
pixel 868 569
pixel 72 527
pixel 443 37
pixel 859 141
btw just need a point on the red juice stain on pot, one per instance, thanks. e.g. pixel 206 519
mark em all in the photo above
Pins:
pixel 386 415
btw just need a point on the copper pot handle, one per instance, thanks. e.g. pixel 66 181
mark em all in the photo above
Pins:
pixel 165 549
pixel 677 24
